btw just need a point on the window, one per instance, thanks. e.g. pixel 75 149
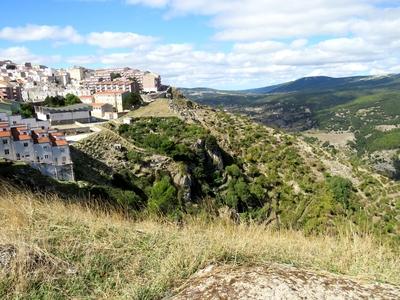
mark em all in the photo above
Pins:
pixel 5 142
pixel 18 156
pixel 6 151
pixel 46 157
pixel 62 150
pixel 64 159
pixel 26 144
pixel 45 148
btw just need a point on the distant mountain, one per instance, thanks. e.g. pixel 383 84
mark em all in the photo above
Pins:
pixel 324 83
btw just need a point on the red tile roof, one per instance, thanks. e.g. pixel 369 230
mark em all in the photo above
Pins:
pixel 43 140
pixel 60 143
pixel 58 134
pixel 24 137
pixel 5 134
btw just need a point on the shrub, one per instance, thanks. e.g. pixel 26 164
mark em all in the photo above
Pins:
pixel 341 189
pixel 163 197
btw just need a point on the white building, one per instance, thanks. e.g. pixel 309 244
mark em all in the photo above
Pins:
pixel 36 144
pixel 64 115
pixel 111 97
pixel 77 73
pixel 151 82
pixel 102 110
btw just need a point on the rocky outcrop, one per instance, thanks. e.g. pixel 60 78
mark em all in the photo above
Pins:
pixel 184 181
pixel 278 282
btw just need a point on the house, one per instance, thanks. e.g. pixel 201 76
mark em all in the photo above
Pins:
pixel 99 110
pixel 36 144
pixel 111 97
pixel 65 115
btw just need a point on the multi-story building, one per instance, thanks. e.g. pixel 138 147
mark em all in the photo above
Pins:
pixel 151 82
pixel 10 91
pixel 111 97
pixel 77 73
pixel 35 143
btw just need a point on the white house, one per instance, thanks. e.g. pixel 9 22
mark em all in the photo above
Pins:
pixel 100 110
pixel 36 144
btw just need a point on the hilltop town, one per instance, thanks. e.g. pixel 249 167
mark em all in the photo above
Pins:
pixel 43 110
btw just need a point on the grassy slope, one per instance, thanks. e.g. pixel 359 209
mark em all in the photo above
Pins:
pixel 69 251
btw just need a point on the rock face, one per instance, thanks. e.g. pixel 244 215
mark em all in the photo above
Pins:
pixel 278 282
pixel 184 181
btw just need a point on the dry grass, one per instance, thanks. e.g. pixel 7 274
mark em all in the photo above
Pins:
pixel 159 108
pixel 71 251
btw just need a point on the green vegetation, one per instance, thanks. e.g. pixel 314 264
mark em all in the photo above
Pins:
pixel 27 110
pixel 115 76
pixel 59 101
pixel 131 100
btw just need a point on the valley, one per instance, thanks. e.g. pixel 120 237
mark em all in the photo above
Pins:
pixel 366 107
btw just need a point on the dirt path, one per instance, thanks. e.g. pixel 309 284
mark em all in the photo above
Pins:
pixel 278 282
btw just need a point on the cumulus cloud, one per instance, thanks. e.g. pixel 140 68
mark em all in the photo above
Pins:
pixel 271 41
pixel 40 32
pixel 68 34
pixel 22 54
pixel 110 39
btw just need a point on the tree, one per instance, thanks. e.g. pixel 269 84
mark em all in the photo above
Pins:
pixel 27 110
pixel 341 189
pixel 163 197
pixel 71 99
pixel 131 100
pixel 54 101
pixel 115 76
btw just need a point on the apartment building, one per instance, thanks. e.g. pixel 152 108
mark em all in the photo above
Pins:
pixel 35 143
pixel 10 91
pixel 111 97
pixel 151 82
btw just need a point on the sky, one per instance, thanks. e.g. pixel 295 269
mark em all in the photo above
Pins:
pixel 224 44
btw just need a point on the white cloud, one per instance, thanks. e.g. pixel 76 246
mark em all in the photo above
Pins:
pixel 22 54
pixel 152 3
pixel 40 32
pixel 110 39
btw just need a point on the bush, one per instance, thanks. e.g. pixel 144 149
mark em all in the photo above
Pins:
pixel 163 197
pixel 341 189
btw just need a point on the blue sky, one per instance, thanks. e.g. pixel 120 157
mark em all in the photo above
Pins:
pixel 228 44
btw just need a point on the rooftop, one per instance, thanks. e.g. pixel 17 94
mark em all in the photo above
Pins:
pixel 75 107
pixel 5 134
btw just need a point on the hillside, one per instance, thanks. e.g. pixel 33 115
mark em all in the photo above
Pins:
pixel 188 190
pixel 215 162
pixel 51 248
pixel 367 107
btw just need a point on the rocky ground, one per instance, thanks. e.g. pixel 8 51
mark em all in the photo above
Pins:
pixel 278 282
